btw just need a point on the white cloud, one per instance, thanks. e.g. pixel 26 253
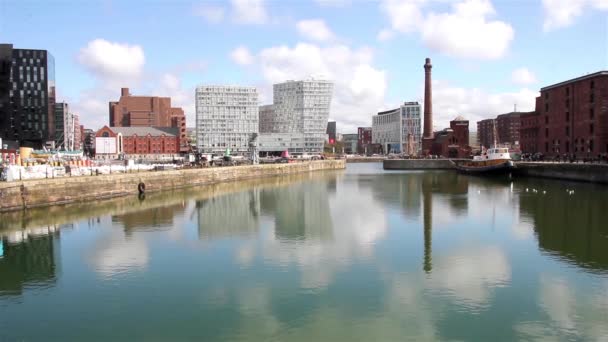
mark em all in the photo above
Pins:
pixel 116 65
pixel 333 3
pixel 249 11
pixel 466 32
pixel 108 60
pixel 212 14
pixel 405 15
pixel 562 13
pixel 315 29
pixel 523 76
pixel 359 87
pixel 385 35
pixel 475 104
pixel 242 56
pixel 471 276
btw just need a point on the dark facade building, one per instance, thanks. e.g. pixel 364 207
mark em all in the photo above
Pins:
pixel 61 113
pixel 452 142
pixel 364 139
pixel 507 127
pixel 27 96
pixel 331 131
pixel 573 117
pixel 148 111
pixel 88 144
pixel 485 132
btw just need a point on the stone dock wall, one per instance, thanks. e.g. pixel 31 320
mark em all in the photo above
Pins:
pixel 46 192
pixel 417 164
pixel 595 173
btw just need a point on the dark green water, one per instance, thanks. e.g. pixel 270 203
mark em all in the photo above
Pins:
pixel 359 255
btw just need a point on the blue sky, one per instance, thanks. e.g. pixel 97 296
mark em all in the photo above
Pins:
pixel 487 55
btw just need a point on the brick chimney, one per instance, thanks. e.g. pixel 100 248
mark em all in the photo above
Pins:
pixel 428 100
pixel 124 92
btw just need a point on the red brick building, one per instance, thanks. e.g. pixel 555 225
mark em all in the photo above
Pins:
pixel 508 130
pixel 452 142
pixel 364 139
pixel 573 117
pixel 528 132
pixel 147 111
pixel 110 142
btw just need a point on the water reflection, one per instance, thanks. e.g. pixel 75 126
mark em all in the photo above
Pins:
pixel 571 227
pixel 29 259
pixel 420 256
pixel 159 218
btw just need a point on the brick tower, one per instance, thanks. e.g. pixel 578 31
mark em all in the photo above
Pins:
pixel 427 137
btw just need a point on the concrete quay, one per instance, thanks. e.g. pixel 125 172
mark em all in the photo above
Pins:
pixel 581 172
pixel 46 192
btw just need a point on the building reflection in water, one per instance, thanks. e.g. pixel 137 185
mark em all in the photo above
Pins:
pixel 570 227
pixel 235 214
pixel 29 259
pixel 153 219
pixel 300 211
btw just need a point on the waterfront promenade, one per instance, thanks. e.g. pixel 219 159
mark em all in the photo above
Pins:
pixel 45 192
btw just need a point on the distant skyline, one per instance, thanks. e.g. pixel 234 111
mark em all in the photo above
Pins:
pixel 487 55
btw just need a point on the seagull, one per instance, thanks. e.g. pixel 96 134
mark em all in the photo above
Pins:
pixel 544 192
pixel 526 189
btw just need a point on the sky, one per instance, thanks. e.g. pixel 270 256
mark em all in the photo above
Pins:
pixel 488 56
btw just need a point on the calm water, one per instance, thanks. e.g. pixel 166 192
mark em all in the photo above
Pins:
pixel 356 255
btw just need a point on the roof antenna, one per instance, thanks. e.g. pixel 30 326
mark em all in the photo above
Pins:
pixel 515 107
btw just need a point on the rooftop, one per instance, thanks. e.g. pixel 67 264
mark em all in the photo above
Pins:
pixel 581 78
pixel 141 131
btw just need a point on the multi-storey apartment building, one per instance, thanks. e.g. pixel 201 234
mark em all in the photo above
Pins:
pixel 297 119
pixel 398 130
pixel 226 117
pixel 27 96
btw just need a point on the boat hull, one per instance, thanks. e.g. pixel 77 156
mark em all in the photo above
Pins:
pixel 486 167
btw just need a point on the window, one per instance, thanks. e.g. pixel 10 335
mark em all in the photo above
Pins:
pixel 591 145
pixel 567 103
pixel 546 132
pixel 546 107
pixel 546 119
pixel 591 128
pixel 592 84
pixel 546 147
pixel 567 116
pixel 591 98
pixel 591 113
pixel 105 134
pixel 546 95
pixel 567 130
pixel 567 146
pixel 567 91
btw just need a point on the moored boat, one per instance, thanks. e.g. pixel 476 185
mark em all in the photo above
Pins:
pixel 494 160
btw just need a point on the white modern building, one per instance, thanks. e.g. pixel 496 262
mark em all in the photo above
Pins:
pixel 226 117
pixel 398 130
pixel 297 119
